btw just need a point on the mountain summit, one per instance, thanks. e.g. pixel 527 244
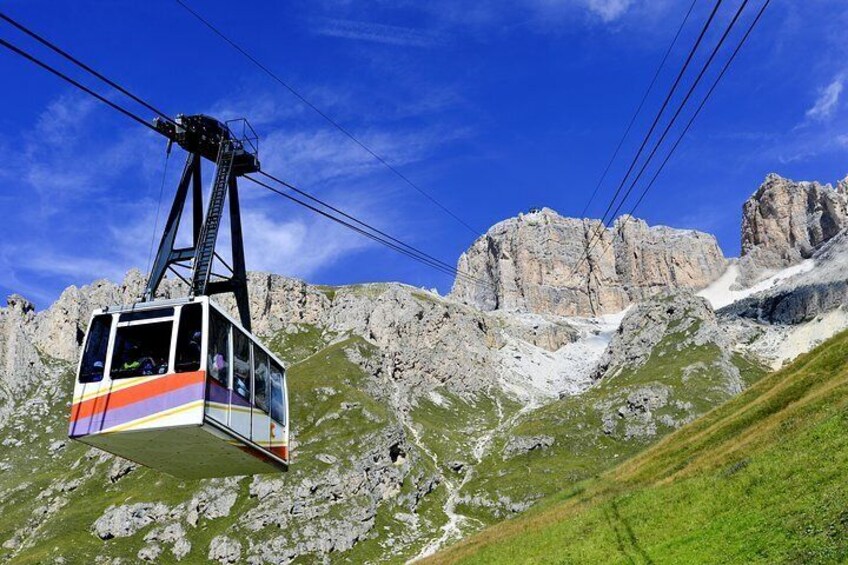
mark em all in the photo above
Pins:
pixel 544 263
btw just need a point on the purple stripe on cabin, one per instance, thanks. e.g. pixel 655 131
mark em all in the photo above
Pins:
pixel 237 400
pixel 147 407
pixel 216 392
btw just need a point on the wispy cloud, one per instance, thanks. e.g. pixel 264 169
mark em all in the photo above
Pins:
pixel 314 156
pixel 827 101
pixel 299 247
pixel 379 33
pixel 607 10
pixel 90 191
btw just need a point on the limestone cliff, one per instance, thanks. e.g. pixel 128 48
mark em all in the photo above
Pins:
pixel 535 263
pixel 785 221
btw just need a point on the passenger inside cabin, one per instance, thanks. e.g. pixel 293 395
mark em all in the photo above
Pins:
pixel 240 380
pixel 142 350
pixel 142 363
pixel 218 367
pixel 218 355
pixel 194 345
pixel 240 386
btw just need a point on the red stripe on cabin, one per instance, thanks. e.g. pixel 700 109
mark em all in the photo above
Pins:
pixel 259 454
pixel 281 451
pixel 133 394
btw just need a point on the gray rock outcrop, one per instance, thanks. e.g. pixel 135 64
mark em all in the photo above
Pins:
pixel 125 520
pixel 647 324
pixel 785 221
pixel 804 296
pixel 224 550
pixel 535 263
pixel 680 336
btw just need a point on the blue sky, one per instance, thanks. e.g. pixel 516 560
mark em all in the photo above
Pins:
pixel 492 108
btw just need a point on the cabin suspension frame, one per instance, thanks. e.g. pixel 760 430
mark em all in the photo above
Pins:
pixel 234 155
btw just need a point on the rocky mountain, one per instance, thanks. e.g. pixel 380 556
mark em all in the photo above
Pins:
pixel 760 479
pixel 538 262
pixel 418 419
pixel 785 221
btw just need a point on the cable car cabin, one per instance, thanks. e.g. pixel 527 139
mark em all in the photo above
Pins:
pixel 179 386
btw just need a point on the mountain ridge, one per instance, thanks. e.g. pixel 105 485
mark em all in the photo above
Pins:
pixel 415 417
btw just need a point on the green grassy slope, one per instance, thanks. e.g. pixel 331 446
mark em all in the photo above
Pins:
pixel 582 447
pixel 761 479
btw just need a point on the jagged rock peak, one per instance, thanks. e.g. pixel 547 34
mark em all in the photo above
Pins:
pixel 785 221
pixel 19 303
pixel 535 262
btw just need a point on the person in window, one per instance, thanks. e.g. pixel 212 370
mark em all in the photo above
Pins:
pixel 96 373
pixel 148 366
pixel 194 346
pixel 132 360
pixel 218 368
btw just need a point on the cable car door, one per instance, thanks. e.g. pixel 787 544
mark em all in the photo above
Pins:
pixel 218 364
pixel 240 395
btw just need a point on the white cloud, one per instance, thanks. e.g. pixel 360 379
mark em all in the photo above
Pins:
pixel 608 10
pixel 298 247
pixel 315 156
pixel 379 33
pixel 827 101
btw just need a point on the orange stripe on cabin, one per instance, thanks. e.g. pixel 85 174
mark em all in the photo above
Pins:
pixel 281 451
pixel 130 395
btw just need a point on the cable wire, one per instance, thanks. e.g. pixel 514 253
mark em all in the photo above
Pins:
pixel 638 109
pixel 158 207
pixel 700 107
pixel 647 137
pixel 77 84
pixel 325 116
pixel 424 260
pixel 82 65
pixel 352 218
pixel 671 122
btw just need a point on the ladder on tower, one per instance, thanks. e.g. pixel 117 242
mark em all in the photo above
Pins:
pixel 235 154
pixel 205 252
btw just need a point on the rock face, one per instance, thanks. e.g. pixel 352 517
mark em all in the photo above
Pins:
pixel 785 221
pixel 677 343
pixel 535 263
pixel 805 296
pixel 681 314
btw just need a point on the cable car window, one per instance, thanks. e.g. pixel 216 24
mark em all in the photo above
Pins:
pixel 189 336
pixel 241 364
pixel 141 350
pixel 260 378
pixel 278 405
pixel 146 315
pixel 218 358
pixel 94 355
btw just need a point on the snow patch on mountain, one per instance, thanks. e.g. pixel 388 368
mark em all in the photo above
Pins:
pixel 726 289
pixel 535 372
